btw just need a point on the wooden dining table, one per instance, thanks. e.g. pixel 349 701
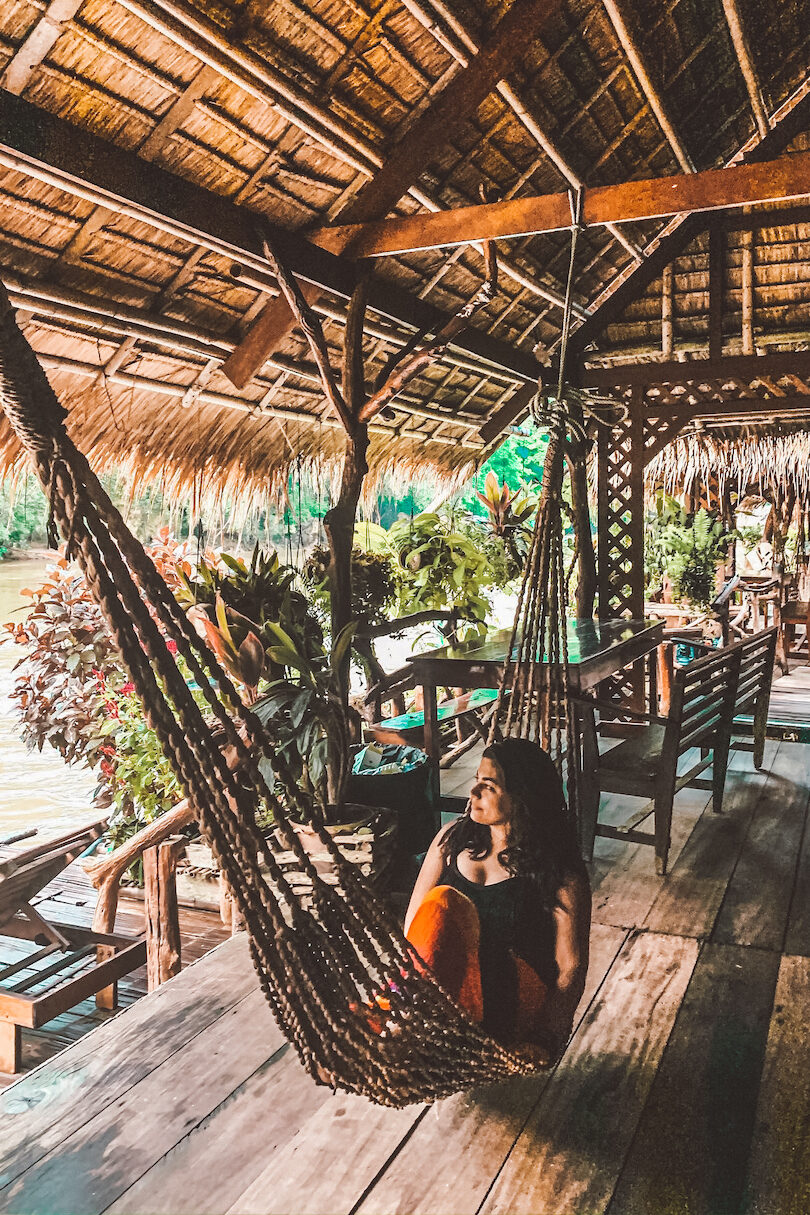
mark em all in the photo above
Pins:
pixel 597 649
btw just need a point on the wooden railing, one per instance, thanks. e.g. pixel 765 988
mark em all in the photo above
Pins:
pixel 159 845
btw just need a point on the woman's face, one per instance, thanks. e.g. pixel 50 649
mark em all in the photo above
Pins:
pixel 490 804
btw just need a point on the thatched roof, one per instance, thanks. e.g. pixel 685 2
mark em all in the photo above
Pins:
pixel 134 286
pixel 748 460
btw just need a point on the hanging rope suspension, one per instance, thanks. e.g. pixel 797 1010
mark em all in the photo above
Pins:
pixel 533 698
pixel 318 965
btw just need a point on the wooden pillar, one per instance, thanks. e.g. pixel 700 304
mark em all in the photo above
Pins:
pixel 717 253
pixel 160 905
pixel 748 293
pixel 621 458
pixel 10 1047
pixel 667 326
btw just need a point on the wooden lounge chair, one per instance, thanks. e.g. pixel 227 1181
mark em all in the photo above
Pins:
pixel 646 764
pixel 66 964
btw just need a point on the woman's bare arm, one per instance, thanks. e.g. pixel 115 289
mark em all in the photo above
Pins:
pixel 572 919
pixel 429 876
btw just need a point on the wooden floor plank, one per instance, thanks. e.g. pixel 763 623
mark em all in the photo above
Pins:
pixel 692 1144
pixel 570 1153
pixel 779 1170
pixel 625 884
pixel 757 900
pixel 450 1159
pixel 690 897
pixel 108 1153
pixel 330 1164
pixel 43 1108
pixel 211 1167
pixel 797 938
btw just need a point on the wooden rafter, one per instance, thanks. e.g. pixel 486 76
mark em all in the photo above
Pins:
pixel 700 371
pixel 740 185
pixel 746 62
pixel 38 144
pixel 649 90
pixel 628 287
pixel 33 49
pixel 406 162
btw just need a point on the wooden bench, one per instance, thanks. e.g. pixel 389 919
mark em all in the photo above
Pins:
pixel 408 729
pixel 69 963
pixel 646 764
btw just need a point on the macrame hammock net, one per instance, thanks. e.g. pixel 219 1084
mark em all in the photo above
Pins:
pixel 317 964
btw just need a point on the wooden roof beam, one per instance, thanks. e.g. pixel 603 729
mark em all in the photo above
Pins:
pixel 747 367
pixel 746 62
pixel 461 50
pixel 40 145
pixel 740 185
pixel 647 87
pixel 791 118
pixel 36 45
pixel 405 163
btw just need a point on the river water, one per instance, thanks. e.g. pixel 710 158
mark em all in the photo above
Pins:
pixel 36 790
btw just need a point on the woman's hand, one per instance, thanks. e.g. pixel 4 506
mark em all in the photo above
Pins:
pixel 533 1053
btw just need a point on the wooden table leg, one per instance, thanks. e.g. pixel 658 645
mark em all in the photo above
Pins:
pixel 588 781
pixel 431 711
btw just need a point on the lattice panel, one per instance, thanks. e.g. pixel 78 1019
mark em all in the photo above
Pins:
pixel 621 520
pixel 621 538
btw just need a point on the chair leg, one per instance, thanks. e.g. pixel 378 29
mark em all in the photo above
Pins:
pixel 719 769
pixel 663 826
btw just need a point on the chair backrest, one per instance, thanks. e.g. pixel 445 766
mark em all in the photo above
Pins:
pixel 702 700
pixel 23 874
pixel 757 654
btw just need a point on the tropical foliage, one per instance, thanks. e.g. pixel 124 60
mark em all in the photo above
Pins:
pixel 687 548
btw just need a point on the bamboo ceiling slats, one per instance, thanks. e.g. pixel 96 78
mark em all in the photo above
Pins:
pixel 288 109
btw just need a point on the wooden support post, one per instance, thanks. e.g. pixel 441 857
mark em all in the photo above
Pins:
pixel 667 328
pixel 748 292
pixel 10 1047
pixel 107 998
pixel 717 249
pixel 160 905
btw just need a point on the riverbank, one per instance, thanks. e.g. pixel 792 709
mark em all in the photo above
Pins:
pixel 36 789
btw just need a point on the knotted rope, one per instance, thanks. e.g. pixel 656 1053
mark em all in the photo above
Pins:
pixel 316 964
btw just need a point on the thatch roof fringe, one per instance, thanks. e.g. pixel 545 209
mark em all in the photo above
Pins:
pixel 767 461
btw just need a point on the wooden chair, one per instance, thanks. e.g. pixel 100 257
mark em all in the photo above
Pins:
pixel 753 691
pixel 646 764
pixel 33 989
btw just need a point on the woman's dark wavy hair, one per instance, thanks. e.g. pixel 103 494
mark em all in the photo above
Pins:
pixel 542 843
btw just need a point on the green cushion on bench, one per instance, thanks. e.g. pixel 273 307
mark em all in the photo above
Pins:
pixel 451 708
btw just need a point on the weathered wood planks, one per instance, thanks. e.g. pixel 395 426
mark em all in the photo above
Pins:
pixel 688 902
pixel 690 1151
pixel 568 1156
pixel 448 1162
pixel 779 1171
pixel 43 1109
pixel 109 1151
pixel 757 899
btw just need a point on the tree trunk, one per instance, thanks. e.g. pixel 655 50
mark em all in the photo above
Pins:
pixel 339 527
pixel 587 583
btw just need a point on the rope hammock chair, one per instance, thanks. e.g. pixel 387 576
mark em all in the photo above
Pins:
pixel 317 964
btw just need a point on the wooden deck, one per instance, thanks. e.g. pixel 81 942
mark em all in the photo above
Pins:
pixel 70 899
pixel 684 1089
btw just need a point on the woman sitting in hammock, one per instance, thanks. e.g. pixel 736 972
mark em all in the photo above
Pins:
pixel 500 912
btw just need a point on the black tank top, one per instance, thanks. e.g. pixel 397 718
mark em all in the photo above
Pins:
pixel 514 922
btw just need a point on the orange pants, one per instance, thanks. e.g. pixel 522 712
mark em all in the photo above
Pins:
pixel 446 933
